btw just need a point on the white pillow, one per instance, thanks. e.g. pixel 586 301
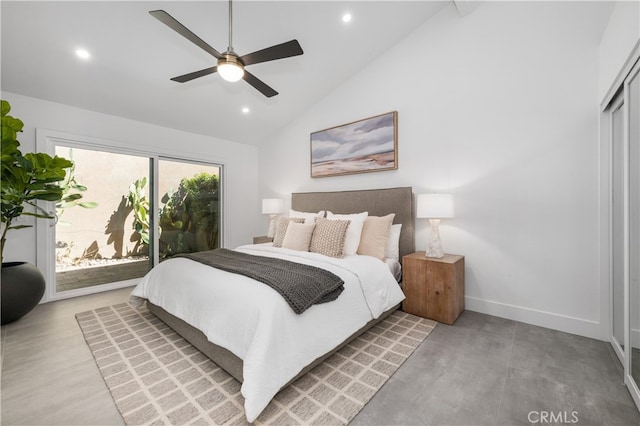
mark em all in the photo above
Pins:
pixel 393 246
pixel 354 231
pixel 308 217
pixel 298 236
pixel 281 228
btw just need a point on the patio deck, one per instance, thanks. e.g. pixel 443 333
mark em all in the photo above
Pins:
pixel 96 275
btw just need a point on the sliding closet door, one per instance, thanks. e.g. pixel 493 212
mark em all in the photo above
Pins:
pixel 623 114
pixel 632 96
pixel 617 224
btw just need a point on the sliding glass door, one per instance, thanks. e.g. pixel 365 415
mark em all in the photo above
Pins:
pixel 189 209
pixel 102 238
pixel 125 211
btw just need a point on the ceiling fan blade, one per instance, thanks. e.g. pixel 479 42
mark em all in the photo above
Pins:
pixel 279 51
pixel 172 23
pixel 194 75
pixel 261 86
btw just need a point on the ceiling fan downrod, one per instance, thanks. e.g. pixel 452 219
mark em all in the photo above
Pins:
pixel 230 47
pixel 230 67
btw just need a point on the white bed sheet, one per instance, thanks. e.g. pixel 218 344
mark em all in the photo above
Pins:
pixel 255 323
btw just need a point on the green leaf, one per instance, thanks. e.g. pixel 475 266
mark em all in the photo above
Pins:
pixel 10 125
pixel 66 205
pixel 20 226
pixel 88 204
pixel 72 197
pixel 44 195
pixel 9 147
pixel 38 215
pixel 4 108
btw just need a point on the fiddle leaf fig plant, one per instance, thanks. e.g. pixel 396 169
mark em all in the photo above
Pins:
pixel 26 178
pixel 72 193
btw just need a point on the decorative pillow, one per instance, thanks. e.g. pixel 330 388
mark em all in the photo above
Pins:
pixel 328 237
pixel 298 236
pixel 308 217
pixel 375 236
pixel 281 229
pixel 393 247
pixel 352 240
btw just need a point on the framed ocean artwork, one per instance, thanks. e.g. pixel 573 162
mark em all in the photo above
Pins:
pixel 368 145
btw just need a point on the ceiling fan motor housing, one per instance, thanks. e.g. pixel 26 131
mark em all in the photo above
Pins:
pixel 230 58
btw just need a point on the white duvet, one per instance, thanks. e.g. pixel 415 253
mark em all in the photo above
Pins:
pixel 255 322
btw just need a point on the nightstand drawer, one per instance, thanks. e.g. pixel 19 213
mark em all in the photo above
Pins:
pixel 434 288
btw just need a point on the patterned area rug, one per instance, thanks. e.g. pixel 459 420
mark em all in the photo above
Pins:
pixel 157 377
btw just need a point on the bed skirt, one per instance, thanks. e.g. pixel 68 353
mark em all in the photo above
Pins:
pixel 230 362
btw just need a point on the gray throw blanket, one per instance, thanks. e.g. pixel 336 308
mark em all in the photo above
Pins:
pixel 300 285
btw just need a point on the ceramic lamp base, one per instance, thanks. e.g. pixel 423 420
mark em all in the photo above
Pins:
pixel 272 226
pixel 434 245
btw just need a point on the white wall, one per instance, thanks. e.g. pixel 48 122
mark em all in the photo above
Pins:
pixel 241 220
pixel 618 40
pixel 498 107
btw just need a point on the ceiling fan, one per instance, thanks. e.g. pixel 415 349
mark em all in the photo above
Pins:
pixel 230 66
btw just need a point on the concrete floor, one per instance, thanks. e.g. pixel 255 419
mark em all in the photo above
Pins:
pixel 482 370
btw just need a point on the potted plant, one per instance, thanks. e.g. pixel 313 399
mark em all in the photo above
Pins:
pixel 26 178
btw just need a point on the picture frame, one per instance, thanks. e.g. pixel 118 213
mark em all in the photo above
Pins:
pixel 363 146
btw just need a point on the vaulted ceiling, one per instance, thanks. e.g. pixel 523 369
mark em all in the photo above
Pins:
pixel 133 56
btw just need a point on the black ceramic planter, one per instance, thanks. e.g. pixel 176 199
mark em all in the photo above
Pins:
pixel 22 288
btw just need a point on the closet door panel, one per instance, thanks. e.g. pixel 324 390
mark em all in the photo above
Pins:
pixel 633 117
pixel 617 223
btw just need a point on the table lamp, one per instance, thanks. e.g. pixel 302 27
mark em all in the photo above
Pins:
pixel 435 207
pixel 272 207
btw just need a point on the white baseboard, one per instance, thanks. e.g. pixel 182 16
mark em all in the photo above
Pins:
pixel 568 324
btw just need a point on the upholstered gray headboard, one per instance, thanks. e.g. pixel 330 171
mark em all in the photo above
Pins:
pixel 378 202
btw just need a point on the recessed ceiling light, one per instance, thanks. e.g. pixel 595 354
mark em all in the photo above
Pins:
pixel 346 17
pixel 82 54
pixel 245 110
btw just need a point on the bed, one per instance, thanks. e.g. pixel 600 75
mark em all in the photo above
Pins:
pixel 263 344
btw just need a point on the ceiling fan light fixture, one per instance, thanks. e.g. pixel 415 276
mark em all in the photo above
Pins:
pixel 230 68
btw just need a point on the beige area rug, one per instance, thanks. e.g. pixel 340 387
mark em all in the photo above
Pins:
pixel 157 377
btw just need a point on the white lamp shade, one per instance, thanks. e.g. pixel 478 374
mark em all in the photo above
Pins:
pixel 435 206
pixel 271 206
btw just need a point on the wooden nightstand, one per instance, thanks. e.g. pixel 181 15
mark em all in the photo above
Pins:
pixel 434 288
pixel 262 240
